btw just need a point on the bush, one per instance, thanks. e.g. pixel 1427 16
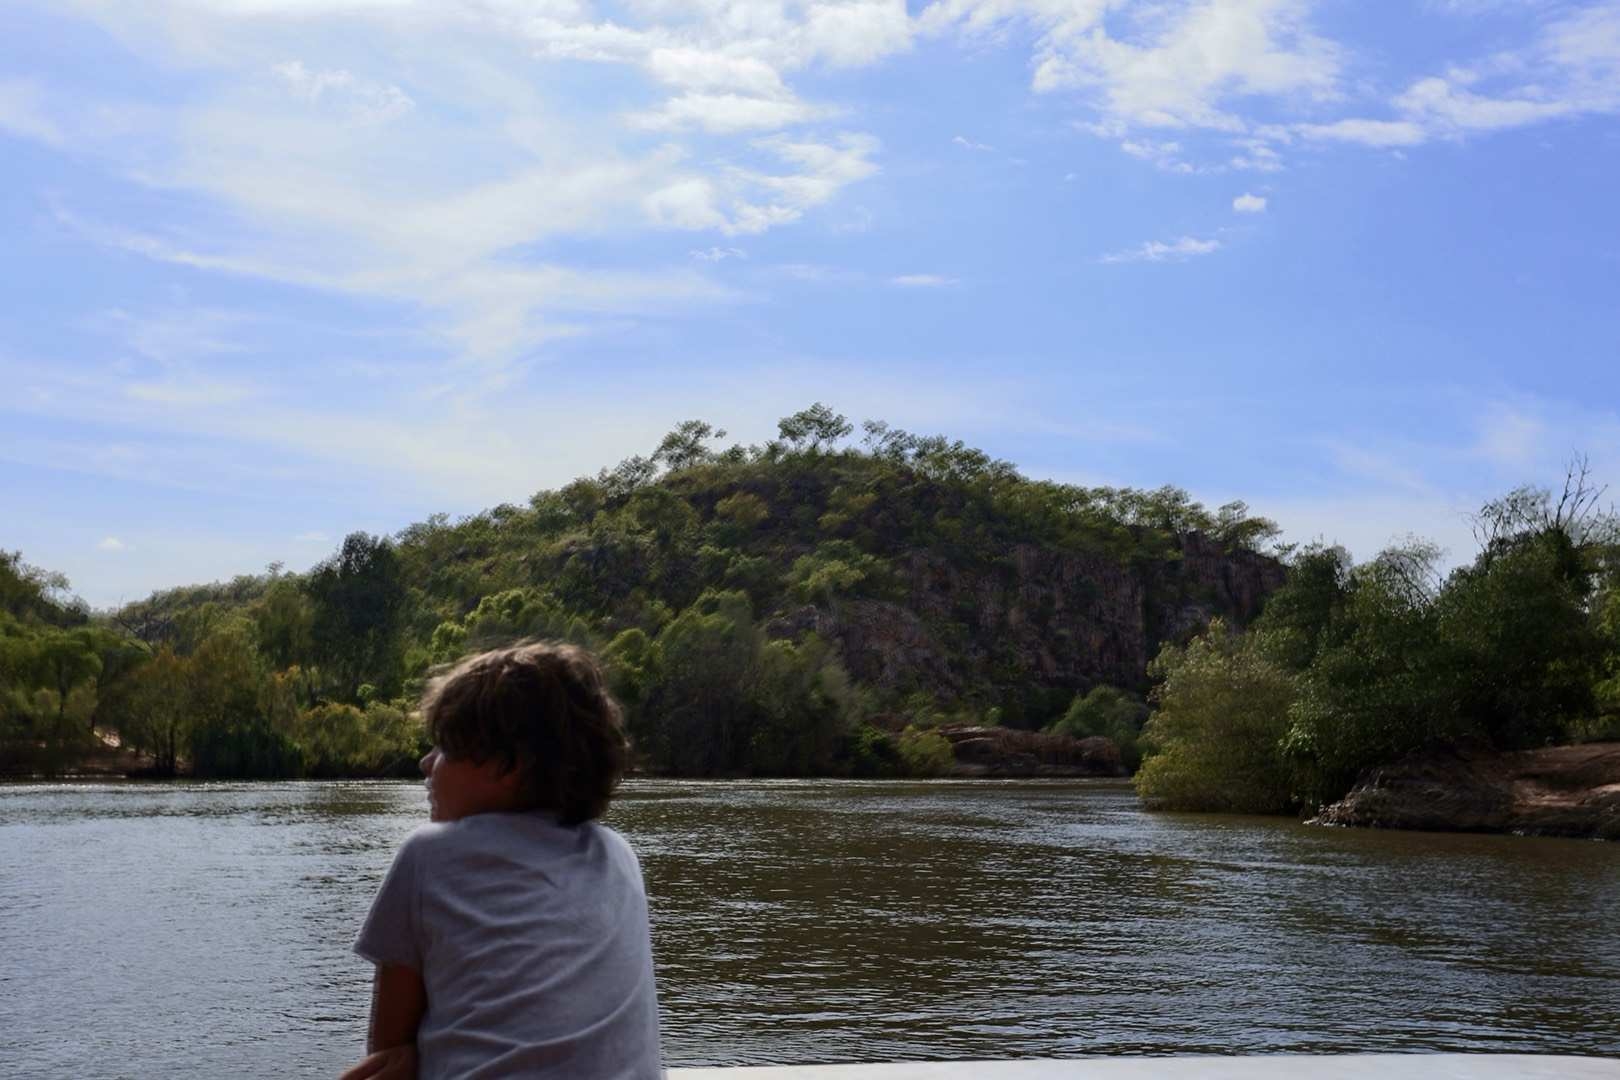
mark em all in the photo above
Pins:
pixel 1214 740
pixel 872 753
pixel 925 753
pixel 1108 712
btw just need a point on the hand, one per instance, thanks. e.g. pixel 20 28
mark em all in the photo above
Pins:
pixel 395 1063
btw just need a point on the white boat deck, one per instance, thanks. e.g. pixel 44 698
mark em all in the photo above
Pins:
pixel 1337 1067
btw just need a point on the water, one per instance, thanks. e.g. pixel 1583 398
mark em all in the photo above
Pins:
pixel 203 930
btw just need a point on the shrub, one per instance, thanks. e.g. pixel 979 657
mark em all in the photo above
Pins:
pixel 1214 740
pixel 925 753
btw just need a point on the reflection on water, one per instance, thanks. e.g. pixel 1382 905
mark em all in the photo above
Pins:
pixel 203 929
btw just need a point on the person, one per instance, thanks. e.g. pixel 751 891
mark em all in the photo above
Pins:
pixel 510 935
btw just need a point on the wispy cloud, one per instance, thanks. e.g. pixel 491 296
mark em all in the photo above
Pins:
pixel 968 144
pixel 923 281
pixel 111 543
pixel 1187 247
pixel 1249 203
pixel 718 254
pixel 403 175
pixel 1511 436
pixel 22 113
pixel 1571 69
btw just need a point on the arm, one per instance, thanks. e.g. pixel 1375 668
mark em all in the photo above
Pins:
pixel 398 1000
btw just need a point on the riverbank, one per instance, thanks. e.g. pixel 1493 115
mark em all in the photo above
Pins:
pixel 1569 791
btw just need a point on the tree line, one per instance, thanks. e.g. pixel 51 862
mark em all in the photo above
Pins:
pixel 1355 666
pixel 680 567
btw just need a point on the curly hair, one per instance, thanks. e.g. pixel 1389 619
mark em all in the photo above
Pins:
pixel 541 708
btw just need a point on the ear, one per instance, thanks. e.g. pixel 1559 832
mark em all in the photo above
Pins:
pixel 509 778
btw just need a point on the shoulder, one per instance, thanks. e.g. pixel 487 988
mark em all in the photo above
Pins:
pixel 424 841
pixel 618 848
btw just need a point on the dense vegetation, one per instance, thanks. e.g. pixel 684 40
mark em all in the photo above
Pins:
pixel 1356 666
pixel 718 584
pixel 809 607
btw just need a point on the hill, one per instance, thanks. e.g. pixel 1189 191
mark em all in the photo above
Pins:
pixel 808 606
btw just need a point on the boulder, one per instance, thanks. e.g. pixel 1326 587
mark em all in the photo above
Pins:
pixel 1554 791
pixel 1006 752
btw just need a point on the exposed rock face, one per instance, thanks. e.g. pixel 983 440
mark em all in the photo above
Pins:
pixel 1001 752
pixel 1557 791
pixel 1069 620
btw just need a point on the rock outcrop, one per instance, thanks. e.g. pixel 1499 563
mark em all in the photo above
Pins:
pixel 1556 791
pixel 1061 619
pixel 1001 752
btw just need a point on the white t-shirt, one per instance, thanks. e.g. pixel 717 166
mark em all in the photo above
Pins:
pixel 533 944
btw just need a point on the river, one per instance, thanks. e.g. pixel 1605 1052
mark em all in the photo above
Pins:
pixel 203 929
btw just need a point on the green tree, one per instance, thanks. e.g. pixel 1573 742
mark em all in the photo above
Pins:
pixel 155 716
pixel 697 717
pixel 835 569
pixel 358 597
pixel 1302 617
pixel 1111 713
pixel 1214 740
pixel 925 752
pixel 232 733
pixel 284 622
pixel 687 445
pixel 814 429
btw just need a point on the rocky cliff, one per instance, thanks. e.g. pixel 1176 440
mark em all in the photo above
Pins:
pixel 1063 619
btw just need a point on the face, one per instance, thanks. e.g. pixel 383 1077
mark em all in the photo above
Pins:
pixel 458 789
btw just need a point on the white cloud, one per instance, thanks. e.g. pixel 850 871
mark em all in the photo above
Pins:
pixel 325 171
pixel 968 144
pixel 1165 155
pixel 1161 65
pixel 923 281
pixel 22 113
pixel 1510 436
pixel 1439 105
pixel 111 543
pixel 1256 155
pixel 1571 69
pixel 1187 247
pixel 718 254
pixel 1249 204
pixel 1376 133
pixel 361 99
pixel 727 114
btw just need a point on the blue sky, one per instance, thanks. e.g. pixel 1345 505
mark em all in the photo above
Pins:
pixel 279 269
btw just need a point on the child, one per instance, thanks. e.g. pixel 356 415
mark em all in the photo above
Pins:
pixel 510 935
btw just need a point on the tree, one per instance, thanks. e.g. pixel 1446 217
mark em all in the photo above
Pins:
pixel 687 445
pixel 1380 685
pixel 1577 513
pixel 697 714
pixel 63 660
pixel 1111 713
pixel 358 597
pixel 925 753
pixel 1237 529
pixel 813 429
pixel 836 568
pixel 27 592
pixel 1215 738
pixel 284 624
pixel 1299 619
pixel 156 715
pixel 232 733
